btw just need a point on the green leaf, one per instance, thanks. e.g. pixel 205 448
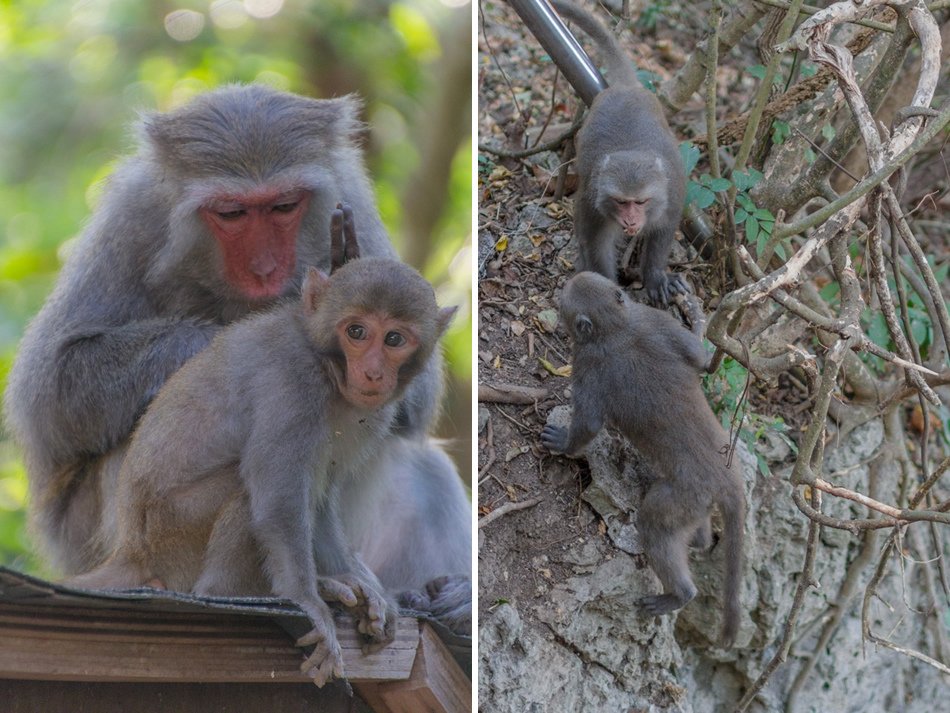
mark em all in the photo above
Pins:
pixel 763 214
pixel 830 291
pixel 828 131
pixel 779 249
pixel 810 155
pixel 746 202
pixel 741 215
pixel 690 155
pixel 877 328
pixel 751 229
pixel 699 195
pixel 780 131
pixel 745 180
pixel 757 71
pixel 719 184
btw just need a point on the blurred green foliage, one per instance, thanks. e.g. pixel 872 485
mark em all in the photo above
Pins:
pixel 76 74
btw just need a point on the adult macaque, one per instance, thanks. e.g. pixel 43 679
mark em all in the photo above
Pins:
pixel 631 177
pixel 279 410
pixel 636 369
pixel 218 215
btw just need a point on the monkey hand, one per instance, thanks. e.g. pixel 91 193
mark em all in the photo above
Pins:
pixel 662 286
pixel 326 659
pixel 554 438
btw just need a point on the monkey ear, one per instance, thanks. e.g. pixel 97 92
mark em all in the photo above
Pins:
pixel 314 287
pixel 583 328
pixel 619 295
pixel 445 317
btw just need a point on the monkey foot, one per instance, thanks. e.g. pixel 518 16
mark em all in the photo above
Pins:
pixel 326 660
pixel 554 438
pixel 659 604
pixel 375 613
pixel 447 599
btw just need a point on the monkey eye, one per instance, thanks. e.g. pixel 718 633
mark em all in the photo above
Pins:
pixel 394 339
pixel 356 331
pixel 641 201
pixel 231 214
pixel 289 207
pixel 621 202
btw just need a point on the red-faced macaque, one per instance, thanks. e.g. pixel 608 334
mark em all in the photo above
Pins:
pixel 631 178
pixel 635 368
pixel 271 420
pixel 218 215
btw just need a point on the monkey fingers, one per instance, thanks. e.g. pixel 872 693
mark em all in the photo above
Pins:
pixel 661 288
pixel 554 438
pixel 336 590
pixel 343 243
pixel 326 660
pixel 375 613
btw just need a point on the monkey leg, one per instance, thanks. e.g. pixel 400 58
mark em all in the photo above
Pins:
pixel 666 525
pixel 118 572
pixel 703 537
pixel 233 562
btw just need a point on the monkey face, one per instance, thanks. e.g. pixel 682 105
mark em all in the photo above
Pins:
pixel 256 233
pixel 631 213
pixel 631 189
pixel 375 347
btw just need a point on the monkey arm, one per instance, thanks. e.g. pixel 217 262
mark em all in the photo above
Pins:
pixel 275 470
pixel 586 421
pixel 82 393
pixel 595 240
pixel 660 285
pixel 376 612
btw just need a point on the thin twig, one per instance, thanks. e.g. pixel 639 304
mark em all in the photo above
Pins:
pixel 503 510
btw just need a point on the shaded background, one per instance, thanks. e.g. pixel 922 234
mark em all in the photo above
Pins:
pixel 76 74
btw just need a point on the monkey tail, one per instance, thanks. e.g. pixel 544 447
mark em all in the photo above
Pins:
pixel 620 70
pixel 733 517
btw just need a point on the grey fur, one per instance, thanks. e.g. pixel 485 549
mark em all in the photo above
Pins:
pixel 636 369
pixel 256 429
pixel 625 149
pixel 143 291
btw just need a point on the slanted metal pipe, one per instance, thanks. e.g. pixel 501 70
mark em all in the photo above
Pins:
pixel 545 24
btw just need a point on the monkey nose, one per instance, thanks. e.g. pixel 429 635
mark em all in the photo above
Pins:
pixel 373 375
pixel 263 265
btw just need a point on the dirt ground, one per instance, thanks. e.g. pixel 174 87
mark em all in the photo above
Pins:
pixel 525 256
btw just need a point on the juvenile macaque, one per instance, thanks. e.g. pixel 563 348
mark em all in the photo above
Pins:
pixel 631 177
pixel 266 424
pixel 218 215
pixel 636 369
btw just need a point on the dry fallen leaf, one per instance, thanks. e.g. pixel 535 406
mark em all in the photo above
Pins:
pixel 501 244
pixel 514 452
pixel 517 328
pixel 556 371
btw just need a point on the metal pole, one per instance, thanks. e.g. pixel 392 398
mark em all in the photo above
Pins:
pixel 557 41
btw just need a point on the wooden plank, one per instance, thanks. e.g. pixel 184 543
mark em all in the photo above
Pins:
pixel 436 685
pixel 98 697
pixel 67 644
